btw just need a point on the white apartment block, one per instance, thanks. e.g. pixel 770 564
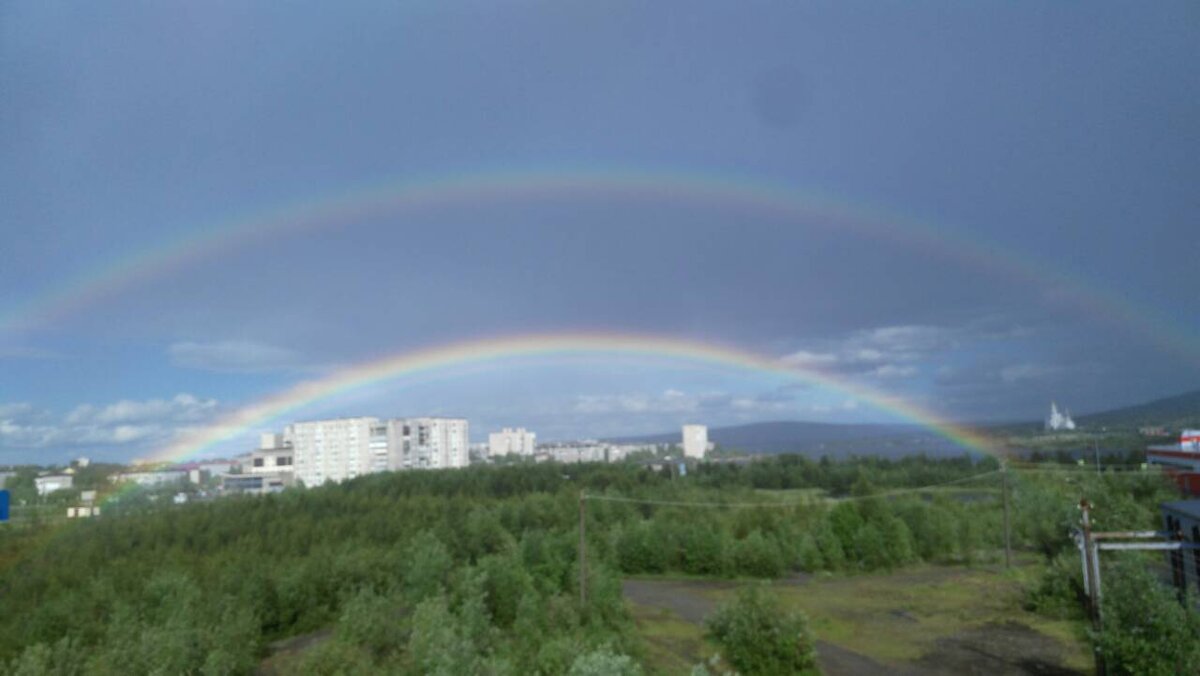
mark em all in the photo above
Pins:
pixel 331 450
pixel 695 441
pixel 516 441
pixel 428 443
pixel 336 450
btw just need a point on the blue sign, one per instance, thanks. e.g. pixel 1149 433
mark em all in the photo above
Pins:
pixel 3 505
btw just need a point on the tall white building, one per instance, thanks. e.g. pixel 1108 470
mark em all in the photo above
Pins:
pixel 428 443
pixel 509 440
pixel 331 450
pixel 695 441
pixel 336 450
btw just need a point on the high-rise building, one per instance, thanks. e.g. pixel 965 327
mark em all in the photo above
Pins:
pixel 336 450
pixel 695 441
pixel 331 450
pixel 516 441
pixel 428 443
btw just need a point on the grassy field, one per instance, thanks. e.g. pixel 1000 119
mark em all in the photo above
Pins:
pixel 921 620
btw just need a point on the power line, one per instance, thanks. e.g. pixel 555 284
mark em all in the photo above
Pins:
pixel 681 503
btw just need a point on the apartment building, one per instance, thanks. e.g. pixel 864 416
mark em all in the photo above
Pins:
pixel 515 441
pixel 428 443
pixel 336 450
pixel 331 450
pixel 695 441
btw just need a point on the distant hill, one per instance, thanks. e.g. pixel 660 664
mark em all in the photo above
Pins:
pixel 815 439
pixel 1181 410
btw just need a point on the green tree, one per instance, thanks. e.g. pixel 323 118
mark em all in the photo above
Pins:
pixel 604 662
pixel 1147 631
pixel 757 636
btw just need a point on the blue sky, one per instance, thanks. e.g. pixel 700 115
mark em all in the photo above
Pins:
pixel 1063 138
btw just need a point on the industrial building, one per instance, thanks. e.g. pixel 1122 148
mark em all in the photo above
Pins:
pixel 1183 518
pixel 1181 461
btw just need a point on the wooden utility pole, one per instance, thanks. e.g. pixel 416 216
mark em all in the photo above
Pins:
pixel 582 550
pixel 1007 532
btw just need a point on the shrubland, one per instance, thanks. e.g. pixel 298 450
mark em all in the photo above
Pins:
pixel 476 571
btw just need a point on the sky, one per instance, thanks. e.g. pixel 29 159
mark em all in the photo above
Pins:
pixel 975 207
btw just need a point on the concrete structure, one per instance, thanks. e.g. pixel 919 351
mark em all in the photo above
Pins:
pixel 54 482
pixel 336 450
pixel 257 484
pixel 152 478
pixel 695 441
pixel 508 440
pixel 330 450
pixel 1184 517
pixel 1181 461
pixel 428 443
pixel 265 460
pixel 1059 422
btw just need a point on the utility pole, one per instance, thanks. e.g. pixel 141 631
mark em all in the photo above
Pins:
pixel 582 550
pixel 1092 566
pixel 1007 532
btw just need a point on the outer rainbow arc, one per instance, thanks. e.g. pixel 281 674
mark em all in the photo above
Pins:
pixel 682 187
pixel 418 361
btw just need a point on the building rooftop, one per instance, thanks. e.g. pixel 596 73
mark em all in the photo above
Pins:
pixel 1188 508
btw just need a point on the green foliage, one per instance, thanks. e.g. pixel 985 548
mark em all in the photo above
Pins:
pixel 604 662
pixel 476 571
pixel 1146 628
pixel 1059 591
pixel 758 637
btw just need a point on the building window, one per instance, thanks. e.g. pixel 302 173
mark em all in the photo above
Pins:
pixel 258 462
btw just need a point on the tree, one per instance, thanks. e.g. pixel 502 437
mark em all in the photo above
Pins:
pixel 759 637
pixel 1146 629
pixel 604 662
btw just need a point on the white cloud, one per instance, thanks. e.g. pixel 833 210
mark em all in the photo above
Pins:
pixel 234 356
pixel 883 352
pixel 126 422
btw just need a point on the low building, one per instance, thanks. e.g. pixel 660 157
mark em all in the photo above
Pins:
pixel 261 483
pixel 1183 517
pixel 1181 461
pixel 510 441
pixel 54 482
pixel 152 478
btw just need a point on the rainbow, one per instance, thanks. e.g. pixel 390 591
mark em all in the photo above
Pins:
pixel 671 187
pixel 413 363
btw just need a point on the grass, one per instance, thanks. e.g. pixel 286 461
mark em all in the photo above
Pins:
pixel 672 645
pixel 892 618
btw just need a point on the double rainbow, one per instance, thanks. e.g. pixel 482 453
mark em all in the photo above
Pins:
pixel 741 194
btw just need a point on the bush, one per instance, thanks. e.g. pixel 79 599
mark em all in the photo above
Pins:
pixel 759 637
pixel 604 662
pixel 1146 629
